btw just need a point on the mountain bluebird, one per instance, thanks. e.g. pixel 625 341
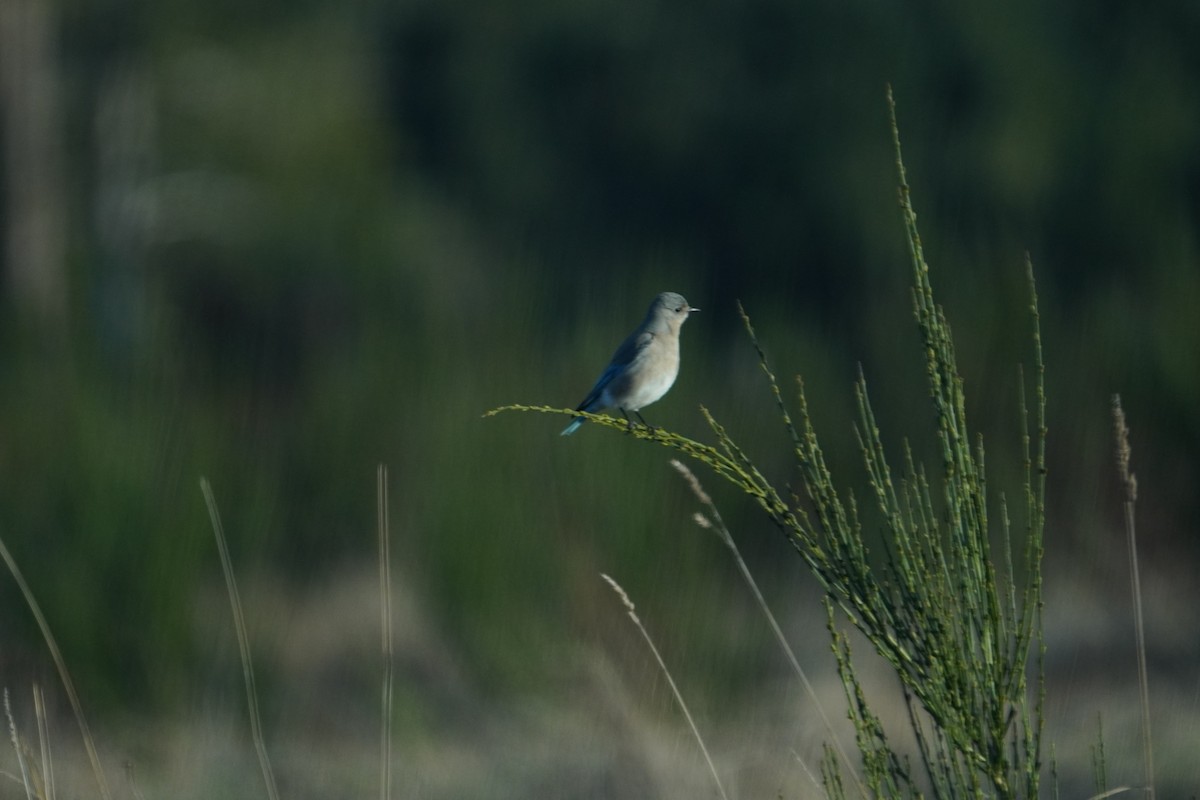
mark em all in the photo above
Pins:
pixel 644 366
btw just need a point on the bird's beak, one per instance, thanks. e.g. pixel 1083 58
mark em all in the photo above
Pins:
pixel 692 310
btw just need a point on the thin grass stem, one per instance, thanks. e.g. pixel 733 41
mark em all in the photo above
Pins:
pixel 131 779
pixel 385 621
pixel 670 680
pixel 239 624
pixel 1111 793
pixel 1129 483
pixel 17 748
pixel 715 523
pixel 61 665
pixel 43 723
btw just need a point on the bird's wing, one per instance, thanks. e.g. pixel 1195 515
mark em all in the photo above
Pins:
pixel 630 349
pixel 633 346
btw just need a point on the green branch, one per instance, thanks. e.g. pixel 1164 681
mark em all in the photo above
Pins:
pixel 956 628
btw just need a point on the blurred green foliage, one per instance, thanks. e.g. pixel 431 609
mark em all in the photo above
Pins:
pixel 310 237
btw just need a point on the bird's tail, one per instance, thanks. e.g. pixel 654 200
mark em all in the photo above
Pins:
pixel 574 426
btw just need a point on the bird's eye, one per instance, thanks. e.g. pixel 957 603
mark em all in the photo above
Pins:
pixel 678 309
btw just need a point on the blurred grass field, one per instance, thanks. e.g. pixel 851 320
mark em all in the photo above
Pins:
pixel 302 241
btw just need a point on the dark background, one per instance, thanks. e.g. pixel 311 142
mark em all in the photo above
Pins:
pixel 277 244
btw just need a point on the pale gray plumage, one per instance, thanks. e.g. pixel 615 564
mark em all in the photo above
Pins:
pixel 644 366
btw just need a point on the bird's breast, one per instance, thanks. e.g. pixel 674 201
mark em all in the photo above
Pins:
pixel 652 378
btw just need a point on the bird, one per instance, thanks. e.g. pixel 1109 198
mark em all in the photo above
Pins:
pixel 645 365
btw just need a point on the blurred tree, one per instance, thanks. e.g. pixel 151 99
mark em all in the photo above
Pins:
pixel 34 204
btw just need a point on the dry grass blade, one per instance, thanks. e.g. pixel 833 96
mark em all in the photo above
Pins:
pixel 1129 482
pixel 1110 793
pixel 670 680
pixel 385 620
pixel 43 723
pixel 17 748
pixel 239 624
pixel 717 524
pixel 61 665
pixel 131 779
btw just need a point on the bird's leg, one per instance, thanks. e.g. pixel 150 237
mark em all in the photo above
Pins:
pixel 627 419
pixel 643 419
